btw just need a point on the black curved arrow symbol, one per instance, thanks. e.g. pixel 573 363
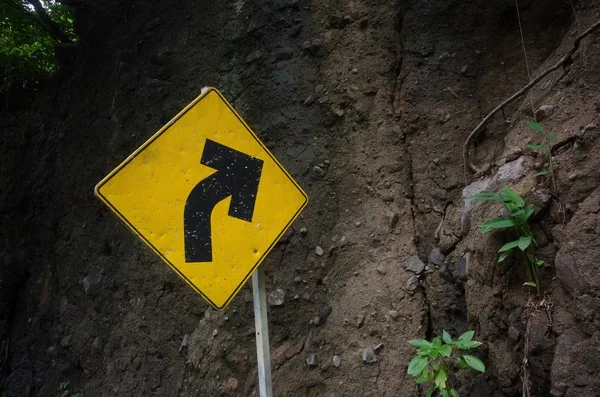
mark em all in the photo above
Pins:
pixel 238 175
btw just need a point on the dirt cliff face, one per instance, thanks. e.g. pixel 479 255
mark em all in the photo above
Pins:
pixel 368 105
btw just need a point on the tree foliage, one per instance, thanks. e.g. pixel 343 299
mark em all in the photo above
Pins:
pixel 27 39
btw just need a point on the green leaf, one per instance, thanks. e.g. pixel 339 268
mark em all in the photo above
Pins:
pixel 64 393
pixel 509 246
pixel 497 223
pixel 486 196
pixel 472 344
pixel 474 363
pixel 430 391
pixel 467 336
pixel 535 146
pixel 542 173
pixel 453 393
pixel 514 197
pixel 524 242
pixel 535 126
pixel 445 393
pixel 440 379
pixel 529 210
pixel 417 365
pixel 530 284
pixel 419 342
pixel 552 137
pixel 422 379
pixel 539 262
pixel 445 350
pixel 461 363
pixel 446 337
pixel 467 345
pixel 502 257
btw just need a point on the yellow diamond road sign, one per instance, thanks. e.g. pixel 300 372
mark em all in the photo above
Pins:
pixel 207 196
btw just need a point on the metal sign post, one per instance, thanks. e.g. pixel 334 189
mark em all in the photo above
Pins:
pixel 265 383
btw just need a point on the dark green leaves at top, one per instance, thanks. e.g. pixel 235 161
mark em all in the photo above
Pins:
pixel 474 363
pixel 535 126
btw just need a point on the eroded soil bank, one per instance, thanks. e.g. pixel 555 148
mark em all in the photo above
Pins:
pixel 368 105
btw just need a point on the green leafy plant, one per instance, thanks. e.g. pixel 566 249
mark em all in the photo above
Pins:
pixel 519 213
pixel 546 149
pixel 63 390
pixel 436 360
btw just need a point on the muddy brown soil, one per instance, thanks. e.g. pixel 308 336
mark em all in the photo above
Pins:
pixel 367 104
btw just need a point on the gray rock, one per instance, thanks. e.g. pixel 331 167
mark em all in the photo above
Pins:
pixel 312 360
pixel 319 251
pixel 319 90
pixel 378 347
pixel 283 53
pixel 469 204
pixel 543 112
pixel 514 170
pixel 309 100
pixel 318 171
pixel 185 342
pixel 462 268
pixel 436 257
pixel 313 47
pixel 303 231
pixel 381 270
pixel 91 284
pixel 415 265
pixel 444 118
pixel 369 356
pixel 337 361
pixel 66 341
pixel 394 314
pixel 412 283
pixel 316 320
pixel 254 56
pixel 277 297
pixel 568 272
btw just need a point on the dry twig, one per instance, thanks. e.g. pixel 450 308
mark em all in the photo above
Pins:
pixel 565 62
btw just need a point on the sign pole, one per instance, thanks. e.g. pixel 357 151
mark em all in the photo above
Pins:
pixel 261 325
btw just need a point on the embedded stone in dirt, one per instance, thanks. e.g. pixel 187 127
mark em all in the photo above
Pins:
pixel 284 53
pixel 415 265
pixel 543 112
pixel 514 170
pixel 412 283
pixel 381 270
pixel 277 297
pixel 312 360
pixel 337 361
pixel 229 386
pixel 436 257
pixel 319 251
pixel 369 356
